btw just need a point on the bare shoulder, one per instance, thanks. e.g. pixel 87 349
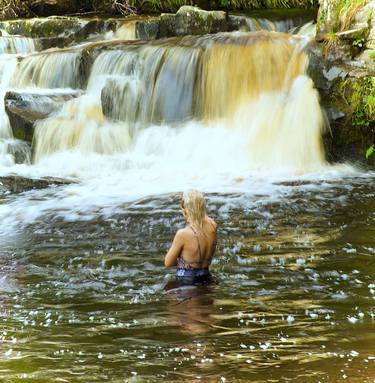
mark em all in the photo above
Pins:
pixel 183 233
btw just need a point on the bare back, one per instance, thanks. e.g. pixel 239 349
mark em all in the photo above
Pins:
pixel 198 248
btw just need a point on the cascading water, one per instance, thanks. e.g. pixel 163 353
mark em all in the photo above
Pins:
pixel 16 44
pixel 10 47
pixel 51 70
pixel 210 112
pixel 247 91
pixel 127 31
pixel 7 67
pixel 131 123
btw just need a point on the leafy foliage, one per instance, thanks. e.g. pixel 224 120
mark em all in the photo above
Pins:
pixel 359 43
pixel 360 97
pixel 370 151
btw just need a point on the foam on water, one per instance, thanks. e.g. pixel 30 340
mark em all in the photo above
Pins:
pixel 109 183
pixel 8 65
pixel 176 121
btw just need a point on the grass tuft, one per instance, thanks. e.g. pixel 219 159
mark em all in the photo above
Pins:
pixel 348 10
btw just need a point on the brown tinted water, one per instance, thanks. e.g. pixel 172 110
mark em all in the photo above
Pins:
pixel 85 300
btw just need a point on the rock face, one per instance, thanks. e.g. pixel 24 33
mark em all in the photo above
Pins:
pixel 147 29
pixel 59 31
pixel 18 184
pixel 45 27
pixel 343 68
pixel 24 109
pixel 18 150
pixel 192 21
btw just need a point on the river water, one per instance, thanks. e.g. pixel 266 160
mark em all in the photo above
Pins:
pixel 88 300
pixel 84 294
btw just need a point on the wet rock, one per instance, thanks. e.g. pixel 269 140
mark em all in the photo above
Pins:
pixel 147 29
pixel 24 109
pixel 237 23
pixel 345 77
pixel 345 91
pixel 351 117
pixel 20 151
pixel 192 21
pixel 85 65
pixel 44 27
pixel 115 102
pixel 97 26
pixel 78 34
pixel 59 32
pixel 18 184
pixel 53 42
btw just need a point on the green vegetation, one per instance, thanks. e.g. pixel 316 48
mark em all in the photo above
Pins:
pixel 356 97
pixel 359 43
pixel 347 10
pixel 23 8
pixel 360 97
pixel 342 14
pixel 330 43
pixel 370 151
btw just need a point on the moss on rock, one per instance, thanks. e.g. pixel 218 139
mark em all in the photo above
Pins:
pixel 354 99
pixel 192 21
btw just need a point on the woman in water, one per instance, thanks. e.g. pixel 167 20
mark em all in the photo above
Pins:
pixel 193 247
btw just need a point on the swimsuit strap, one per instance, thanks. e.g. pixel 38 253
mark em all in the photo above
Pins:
pixel 199 246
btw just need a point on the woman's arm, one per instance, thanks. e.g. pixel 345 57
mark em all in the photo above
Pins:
pixel 170 259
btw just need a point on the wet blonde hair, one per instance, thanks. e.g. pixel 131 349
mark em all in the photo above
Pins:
pixel 195 207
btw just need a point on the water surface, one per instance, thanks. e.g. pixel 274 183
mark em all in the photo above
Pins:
pixel 84 299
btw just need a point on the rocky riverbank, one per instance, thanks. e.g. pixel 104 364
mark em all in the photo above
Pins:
pixel 343 67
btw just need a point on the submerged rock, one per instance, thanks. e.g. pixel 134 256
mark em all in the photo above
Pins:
pixel 192 21
pixel 24 109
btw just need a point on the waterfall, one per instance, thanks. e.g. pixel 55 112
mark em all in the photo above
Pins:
pixel 10 47
pixel 248 91
pixel 8 65
pixel 16 44
pixel 127 31
pixel 56 69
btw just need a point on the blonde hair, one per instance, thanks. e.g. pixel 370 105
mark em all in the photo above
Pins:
pixel 195 208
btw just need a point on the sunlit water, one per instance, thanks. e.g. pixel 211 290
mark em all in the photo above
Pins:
pixel 84 294
pixel 84 299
